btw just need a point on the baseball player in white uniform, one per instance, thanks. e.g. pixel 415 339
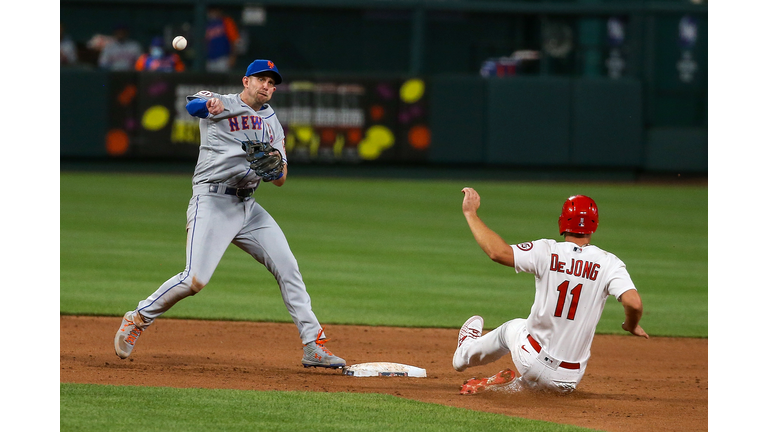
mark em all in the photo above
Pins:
pixel 551 348
pixel 222 211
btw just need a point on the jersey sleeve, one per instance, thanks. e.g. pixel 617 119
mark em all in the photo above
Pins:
pixel 530 255
pixel 197 107
pixel 203 94
pixel 230 106
pixel 619 281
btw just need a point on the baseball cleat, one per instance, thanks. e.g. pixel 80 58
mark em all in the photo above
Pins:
pixel 317 355
pixel 474 385
pixel 127 334
pixel 470 331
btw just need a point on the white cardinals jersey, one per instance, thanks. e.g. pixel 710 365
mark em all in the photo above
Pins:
pixel 572 285
pixel 222 158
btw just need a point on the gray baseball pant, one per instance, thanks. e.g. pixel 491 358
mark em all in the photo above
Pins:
pixel 213 222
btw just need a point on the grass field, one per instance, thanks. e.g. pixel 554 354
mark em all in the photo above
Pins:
pixel 91 408
pixel 373 252
pixel 379 252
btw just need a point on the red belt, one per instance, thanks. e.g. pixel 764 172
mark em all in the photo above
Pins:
pixel 566 365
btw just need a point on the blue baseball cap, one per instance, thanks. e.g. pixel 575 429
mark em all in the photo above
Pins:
pixel 264 66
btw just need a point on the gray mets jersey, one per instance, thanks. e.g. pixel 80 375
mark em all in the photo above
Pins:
pixel 223 212
pixel 221 158
pixel 218 217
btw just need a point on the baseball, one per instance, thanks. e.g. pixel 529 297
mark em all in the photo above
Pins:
pixel 179 42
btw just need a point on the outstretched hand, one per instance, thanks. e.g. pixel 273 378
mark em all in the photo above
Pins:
pixel 637 330
pixel 471 200
pixel 215 106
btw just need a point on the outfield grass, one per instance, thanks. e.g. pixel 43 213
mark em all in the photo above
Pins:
pixel 96 408
pixel 379 252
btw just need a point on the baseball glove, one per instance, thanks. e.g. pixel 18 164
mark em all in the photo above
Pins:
pixel 265 161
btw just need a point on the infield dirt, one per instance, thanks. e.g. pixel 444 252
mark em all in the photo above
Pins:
pixel 631 384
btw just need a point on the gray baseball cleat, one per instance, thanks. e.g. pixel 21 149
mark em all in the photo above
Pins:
pixel 317 355
pixel 470 331
pixel 128 333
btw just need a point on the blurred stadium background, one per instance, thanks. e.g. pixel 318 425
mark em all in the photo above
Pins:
pixel 615 88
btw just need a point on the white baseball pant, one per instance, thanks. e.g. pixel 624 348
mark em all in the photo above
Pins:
pixel 536 372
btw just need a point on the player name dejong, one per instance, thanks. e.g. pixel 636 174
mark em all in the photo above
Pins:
pixel 585 269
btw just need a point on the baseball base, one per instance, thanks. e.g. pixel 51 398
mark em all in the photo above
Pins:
pixel 384 369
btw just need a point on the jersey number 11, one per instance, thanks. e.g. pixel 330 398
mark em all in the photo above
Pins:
pixel 562 289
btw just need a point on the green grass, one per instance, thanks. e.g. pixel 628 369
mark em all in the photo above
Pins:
pixel 379 252
pixel 96 408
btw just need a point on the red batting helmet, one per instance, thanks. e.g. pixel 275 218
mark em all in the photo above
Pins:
pixel 579 215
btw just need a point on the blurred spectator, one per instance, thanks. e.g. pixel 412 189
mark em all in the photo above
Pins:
pixel 121 53
pixel 94 47
pixel 68 49
pixel 221 36
pixel 158 59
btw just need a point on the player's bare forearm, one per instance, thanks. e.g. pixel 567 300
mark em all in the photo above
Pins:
pixel 633 311
pixel 491 243
pixel 281 180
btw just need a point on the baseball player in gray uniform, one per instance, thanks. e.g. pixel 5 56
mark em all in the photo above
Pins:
pixel 222 211
pixel 550 348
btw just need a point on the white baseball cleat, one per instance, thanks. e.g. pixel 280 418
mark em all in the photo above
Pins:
pixel 470 331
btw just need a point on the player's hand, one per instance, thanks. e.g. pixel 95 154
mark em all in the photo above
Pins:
pixel 637 330
pixel 215 106
pixel 471 201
